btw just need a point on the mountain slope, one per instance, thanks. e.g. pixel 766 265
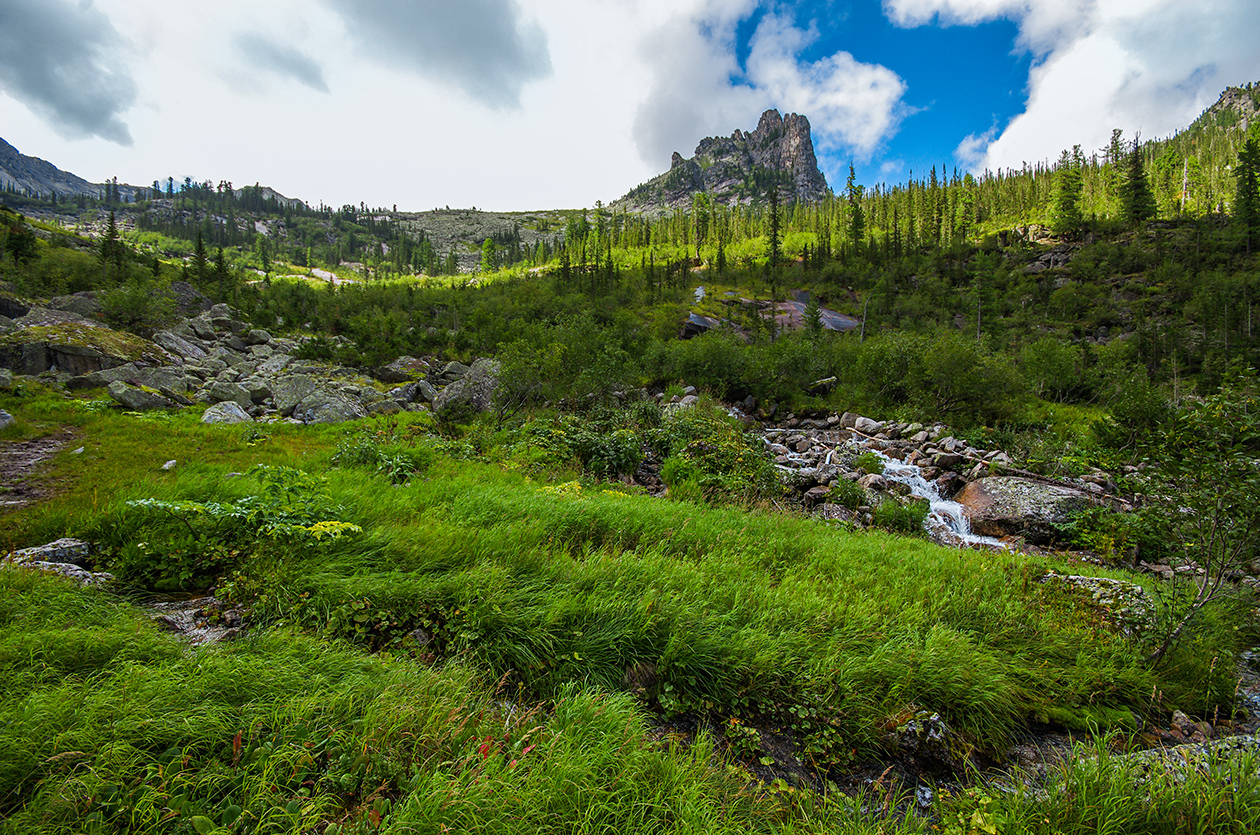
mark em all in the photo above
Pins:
pixel 35 176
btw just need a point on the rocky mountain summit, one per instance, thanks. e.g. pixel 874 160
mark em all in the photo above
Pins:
pixel 739 169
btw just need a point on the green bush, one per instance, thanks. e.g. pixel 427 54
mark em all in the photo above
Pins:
pixel 908 518
pixel 848 494
pixel 869 462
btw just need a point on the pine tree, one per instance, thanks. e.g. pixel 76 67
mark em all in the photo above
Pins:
pixel 857 220
pixel 1247 201
pixel 1065 212
pixel 1137 202
pixel 200 266
pixel 112 247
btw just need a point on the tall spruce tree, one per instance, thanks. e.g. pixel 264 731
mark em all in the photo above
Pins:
pixel 1065 211
pixel 857 219
pixel 1137 201
pixel 1247 198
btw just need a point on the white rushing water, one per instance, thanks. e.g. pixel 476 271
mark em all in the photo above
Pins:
pixel 944 517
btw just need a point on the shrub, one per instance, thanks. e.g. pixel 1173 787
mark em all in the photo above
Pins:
pixel 908 518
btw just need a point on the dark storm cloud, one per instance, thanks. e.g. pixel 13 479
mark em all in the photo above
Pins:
pixel 64 61
pixel 281 59
pixel 481 46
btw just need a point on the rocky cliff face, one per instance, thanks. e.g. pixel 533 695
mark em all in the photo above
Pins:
pixel 739 169
pixel 1236 103
pixel 36 176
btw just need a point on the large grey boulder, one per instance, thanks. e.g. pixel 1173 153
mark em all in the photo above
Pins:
pixel 289 391
pixel 66 550
pixel 137 399
pixel 402 370
pixel 322 406
pixel 475 389
pixel 227 411
pixel 221 391
pixel 1006 506
pixel 6 419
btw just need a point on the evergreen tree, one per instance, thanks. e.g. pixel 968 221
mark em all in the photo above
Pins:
pixel 1065 212
pixel 112 247
pixel 1137 202
pixel 857 220
pixel 200 265
pixel 776 232
pixel 1247 200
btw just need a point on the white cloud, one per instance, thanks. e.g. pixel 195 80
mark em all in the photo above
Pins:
pixel 1139 65
pixel 852 105
pixel 699 89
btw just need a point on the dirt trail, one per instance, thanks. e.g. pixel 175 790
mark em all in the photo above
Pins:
pixel 20 466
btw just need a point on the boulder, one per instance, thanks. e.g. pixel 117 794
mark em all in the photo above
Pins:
pixel 402 370
pixel 257 336
pixel 84 304
pixel 66 550
pixel 1006 506
pixel 6 378
pixel 452 371
pixel 290 391
pixel 6 419
pixel 227 411
pixel 867 426
pixel 74 347
pixel 476 388
pixel 322 406
pixel 223 391
pixel 137 399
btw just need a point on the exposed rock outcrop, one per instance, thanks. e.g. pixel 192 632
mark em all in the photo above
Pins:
pixel 739 169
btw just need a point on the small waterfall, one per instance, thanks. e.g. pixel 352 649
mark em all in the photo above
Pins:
pixel 946 522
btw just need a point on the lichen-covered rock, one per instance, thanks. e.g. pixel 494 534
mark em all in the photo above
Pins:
pixel 289 391
pixel 227 411
pixel 323 406
pixel 476 389
pixel 402 370
pixel 6 419
pixel 221 391
pixel 137 399
pixel 1005 506
pixel 1126 606
pixel 74 347
pixel 65 550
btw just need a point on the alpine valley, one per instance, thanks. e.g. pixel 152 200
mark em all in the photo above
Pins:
pixel 744 503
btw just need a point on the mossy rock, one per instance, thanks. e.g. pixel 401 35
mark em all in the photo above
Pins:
pixel 73 347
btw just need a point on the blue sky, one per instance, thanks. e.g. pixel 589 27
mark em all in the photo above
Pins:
pixel 960 80
pixel 533 104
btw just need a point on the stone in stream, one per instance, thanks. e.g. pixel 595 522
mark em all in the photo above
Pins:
pixel 1005 506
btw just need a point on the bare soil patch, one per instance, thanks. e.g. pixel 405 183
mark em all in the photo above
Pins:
pixel 21 467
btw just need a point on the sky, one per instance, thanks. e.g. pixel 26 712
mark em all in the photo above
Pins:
pixel 516 105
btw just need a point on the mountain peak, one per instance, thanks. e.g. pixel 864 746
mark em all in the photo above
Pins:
pixel 739 169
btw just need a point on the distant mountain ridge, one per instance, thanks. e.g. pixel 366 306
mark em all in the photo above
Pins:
pixel 38 177
pixel 739 169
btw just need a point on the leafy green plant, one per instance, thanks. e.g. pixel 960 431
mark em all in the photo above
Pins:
pixel 868 462
pixel 893 515
pixel 847 494
pixel 171 544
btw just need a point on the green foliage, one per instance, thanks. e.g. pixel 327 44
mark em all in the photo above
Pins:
pixel 869 462
pixel 169 545
pixel 847 494
pixel 898 517
pixel 385 448
pixel 1206 487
